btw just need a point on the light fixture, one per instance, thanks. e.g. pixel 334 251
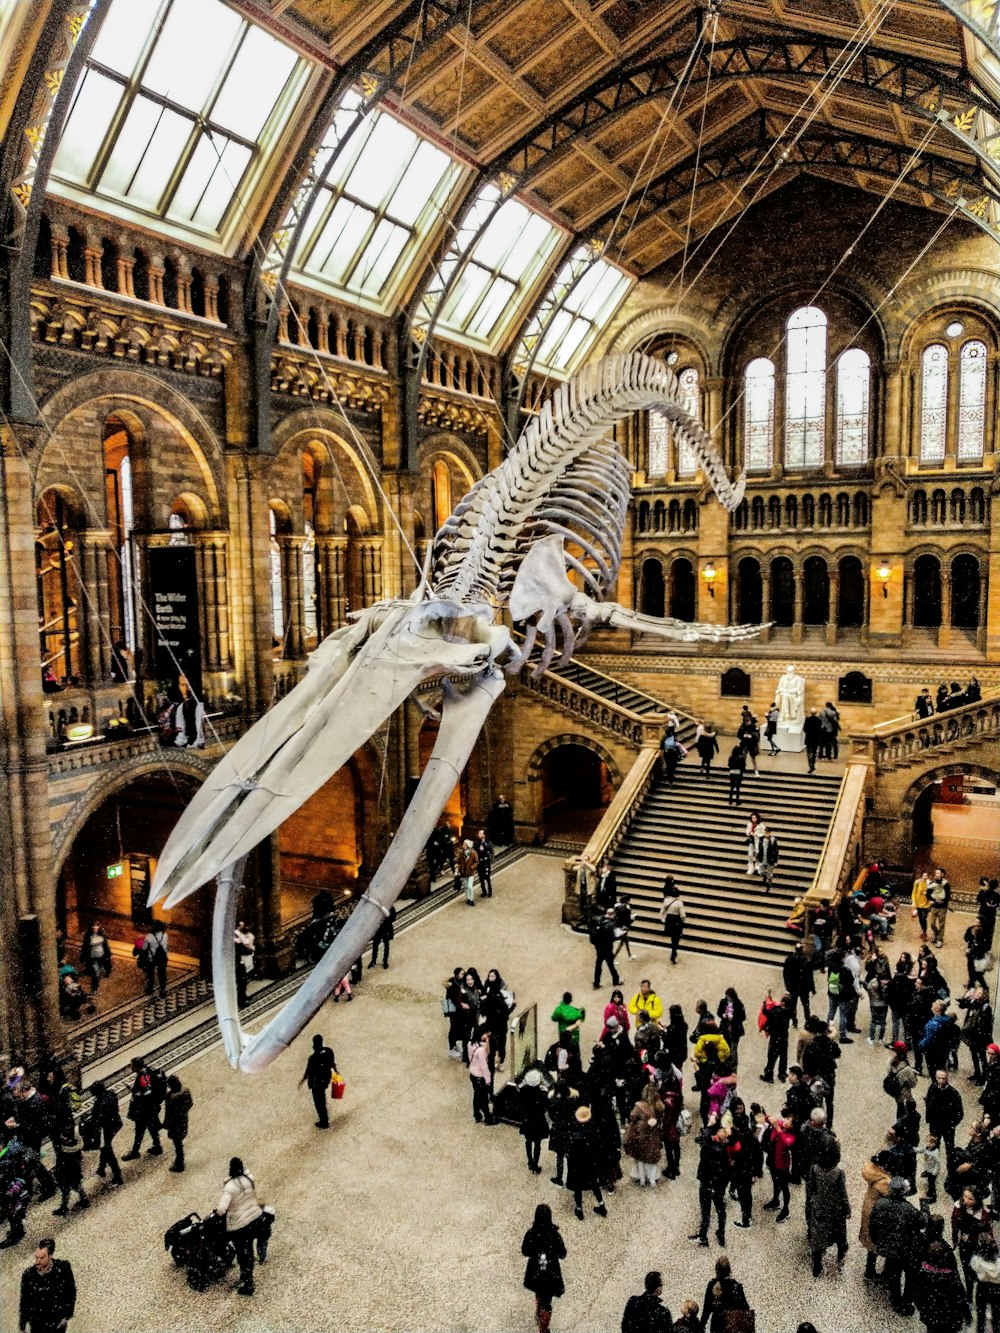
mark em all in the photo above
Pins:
pixel 79 731
pixel 709 575
pixel 955 329
pixel 884 573
pixel 673 358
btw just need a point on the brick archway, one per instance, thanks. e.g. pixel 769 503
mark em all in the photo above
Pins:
pixel 534 769
pixel 932 775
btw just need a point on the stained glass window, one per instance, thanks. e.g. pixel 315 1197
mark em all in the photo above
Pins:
pixel 586 309
pixel 758 415
pixel 972 402
pixel 933 403
pixel 805 388
pixel 659 443
pixel 176 106
pixel 690 393
pixel 853 394
pixel 385 193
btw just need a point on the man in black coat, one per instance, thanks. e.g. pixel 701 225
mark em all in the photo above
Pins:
pixel 484 850
pixel 989 1098
pixel 895 1230
pixel 647 1313
pixel 383 937
pixel 776 1024
pixel 319 1067
pixel 107 1121
pixel 797 974
pixel 944 1111
pixel 819 1060
pixel 713 1177
pixel 48 1292
pixel 602 937
pixel 812 734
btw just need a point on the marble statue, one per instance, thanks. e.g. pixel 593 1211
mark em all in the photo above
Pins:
pixel 790 696
pixel 557 504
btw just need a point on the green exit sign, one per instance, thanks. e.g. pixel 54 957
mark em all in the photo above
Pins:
pixel 117 870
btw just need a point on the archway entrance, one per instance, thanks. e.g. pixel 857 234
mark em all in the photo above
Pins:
pixel 106 875
pixel 653 594
pixel 956 824
pixel 576 790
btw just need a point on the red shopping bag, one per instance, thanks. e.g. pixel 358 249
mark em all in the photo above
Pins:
pixel 337 1086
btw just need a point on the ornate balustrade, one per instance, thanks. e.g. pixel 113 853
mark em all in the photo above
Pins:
pixel 220 730
pixel 591 708
pixel 906 740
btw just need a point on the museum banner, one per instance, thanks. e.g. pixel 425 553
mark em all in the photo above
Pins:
pixel 173 580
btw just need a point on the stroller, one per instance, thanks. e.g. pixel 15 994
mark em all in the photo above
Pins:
pixel 200 1246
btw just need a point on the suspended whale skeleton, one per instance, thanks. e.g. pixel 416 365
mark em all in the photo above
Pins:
pixel 557 503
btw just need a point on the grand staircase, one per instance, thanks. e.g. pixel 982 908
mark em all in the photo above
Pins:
pixel 689 831
pixel 621 695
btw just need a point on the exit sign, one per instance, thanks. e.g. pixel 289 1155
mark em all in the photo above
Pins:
pixel 117 870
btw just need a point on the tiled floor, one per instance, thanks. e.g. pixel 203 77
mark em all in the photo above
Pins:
pixel 406 1215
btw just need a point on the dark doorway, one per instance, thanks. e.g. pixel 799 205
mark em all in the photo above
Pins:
pixel 927 592
pixel 815 591
pixel 749 593
pixel 576 789
pixel 782 591
pixel 965 592
pixel 682 598
pixel 652 592
pixel 851 594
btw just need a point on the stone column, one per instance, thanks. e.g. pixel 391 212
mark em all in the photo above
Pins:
pixel 94 546
pixel 156 271
pixel 331 560
pixel 799 598
pixel 944 635
pixel 213 590
pixel 765 597
pixel 60 247
pixel 832 616
pixel 126 267
pixel 291 545
pixel 29 1022
pixel 371 569
pixel 93 252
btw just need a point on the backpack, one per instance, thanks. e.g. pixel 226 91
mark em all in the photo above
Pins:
pixel 158 1086
pixel 90 1133
pixel 833 983
pixel 890 1085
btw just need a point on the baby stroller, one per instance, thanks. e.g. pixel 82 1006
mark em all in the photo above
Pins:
pixel 200 1246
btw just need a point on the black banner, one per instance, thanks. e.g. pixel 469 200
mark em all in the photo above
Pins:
pixel 173 580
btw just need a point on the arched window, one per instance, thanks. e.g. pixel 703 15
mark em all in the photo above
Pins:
pixel 644 516
pixel 659 441
pixel 808 511
pixel 682 589
pixel 277 601
pixel 825 511
pixel 774 512
pixel 939 507
pixel 690 517
pixel 659 516
pixel 741 518
pixel 805 388
pixel 652 596
pixel 815 591
pixel 918 508
pixel 440 493
pixel 673 516
pixel 927 592
pixel 791 512
pixel 977 505
pixel 118 496
pixel 60 615
pixel 782 591
pixel 749 592
pixel 972 402
pixel 757 512
pixel 853 391
pixel 965 592
pixel 851 593
pixel 843 510
pixel 690 396
pixel 861 510
pixel 958 505
pixel 758 415
pixel 933 403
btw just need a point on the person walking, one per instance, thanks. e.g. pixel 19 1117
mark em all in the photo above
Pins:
pixel 646 1313
pixel 69 1172
pixel 155 951
pixel 748 736
pixel 245 947
pixel 707 744
pixel 943 1111
pixel 544 1248
pixel 877 1174
pixel 812 734
pixel 466 865
pixel 95 955
pixel 320 1067
pixel 48 1292
pixel 771 720
pixel 383 938
pixel 673 753
pixel 145 1100
pixel 602 937
pixel 939 894
pixel 240 1208
pixel 672 916
pixel 713 1179
pixel 534 1126
pixel 798 975
pixel 827 1209
pixel 777 1021
pixel 107 1121
pixel 736 766
pixel 767 857
pixel 481 1078
pixel 644 1136
pixel 484 852
pixel 779 1143
pixel 752 834
pixel 732 1021
pixel 722 1295
pixel 581 1163
pixel 970 1219
pixel 176 1110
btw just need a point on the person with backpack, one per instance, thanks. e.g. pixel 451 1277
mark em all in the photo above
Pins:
pixel 106 1121
pixel 673 753
pixel 839 988
pixel 722 1295
pixel 672 915
pixel 69 1173
pixel 767 857
pixel 544 1248
pixel 602 937
pixel 877 979
pixel 777 1021
pixel 646 1313
pixel 155 953
pixel 748 736
pixel 149 1088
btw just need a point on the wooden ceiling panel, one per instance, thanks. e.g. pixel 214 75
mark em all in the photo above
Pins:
pixel 453 87
pixel 802 12
pixel 497 115
pixel 547 76
pixel 516 43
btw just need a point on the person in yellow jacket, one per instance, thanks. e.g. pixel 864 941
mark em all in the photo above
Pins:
pixel 712 1047
pixel 920 897
pixel 646 999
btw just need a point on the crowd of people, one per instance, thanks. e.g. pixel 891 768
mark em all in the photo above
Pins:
pixel 948 696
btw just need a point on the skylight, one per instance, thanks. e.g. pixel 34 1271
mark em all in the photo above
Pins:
pixel 584 312
pixel 505 263
pixel 179 102
pixel 383 196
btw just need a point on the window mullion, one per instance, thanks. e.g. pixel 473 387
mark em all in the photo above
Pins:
pixel 362 246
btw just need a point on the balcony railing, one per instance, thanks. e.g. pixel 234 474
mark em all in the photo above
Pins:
pixel 907 740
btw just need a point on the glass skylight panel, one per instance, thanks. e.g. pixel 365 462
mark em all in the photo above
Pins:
pixel 178 102
pixel 585 310
pixel 383 194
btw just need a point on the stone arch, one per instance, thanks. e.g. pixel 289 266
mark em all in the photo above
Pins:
pixel 126 771
pixel 661 320
pixel 533 770
pixel 932 775
pixel 959 288
pixel 346 470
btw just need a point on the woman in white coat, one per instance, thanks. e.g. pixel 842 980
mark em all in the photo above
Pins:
pixel 243 1214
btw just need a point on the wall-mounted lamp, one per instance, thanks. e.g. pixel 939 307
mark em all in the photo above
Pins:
pixel 79 731
pixel 709 575
pixel 884 573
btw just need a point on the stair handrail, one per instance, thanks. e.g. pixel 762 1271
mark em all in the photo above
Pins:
pixel 840 855
pixel 662 708
pixel 638 728
pixel 609 833
pixel 899 740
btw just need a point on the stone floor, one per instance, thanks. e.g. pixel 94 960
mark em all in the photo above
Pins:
pixel 406 1215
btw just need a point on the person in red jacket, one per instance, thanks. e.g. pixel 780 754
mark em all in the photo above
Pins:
pixel 779 1143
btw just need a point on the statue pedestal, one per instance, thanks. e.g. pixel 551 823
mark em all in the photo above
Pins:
pixel 789 737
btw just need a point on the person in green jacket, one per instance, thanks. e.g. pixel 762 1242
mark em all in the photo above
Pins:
pixel 569 1018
